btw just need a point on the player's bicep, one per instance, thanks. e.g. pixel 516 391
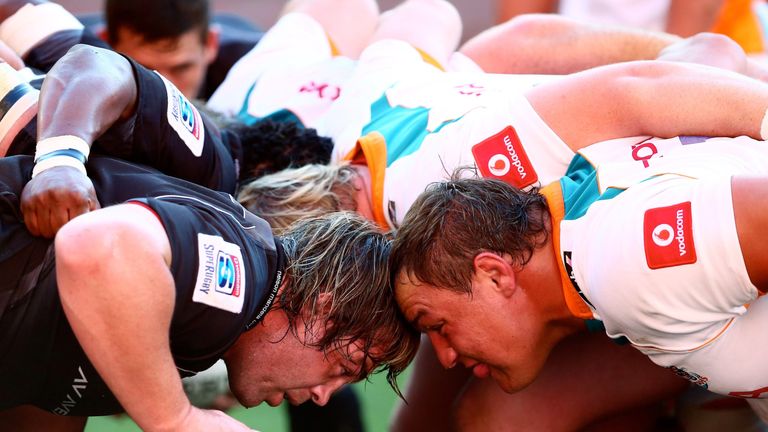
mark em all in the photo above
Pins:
pixel 120 226
pixel 750 208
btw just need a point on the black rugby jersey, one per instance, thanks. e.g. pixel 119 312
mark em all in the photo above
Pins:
pixel 43 55
pixel 166 132
pixel 226 268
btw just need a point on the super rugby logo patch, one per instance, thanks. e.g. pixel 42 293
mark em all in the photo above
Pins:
pixel 502 157
pixel 668 236
pixel 220 274
pixel 184 119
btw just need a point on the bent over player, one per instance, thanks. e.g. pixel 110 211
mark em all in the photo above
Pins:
pixel 132 296
pixel 665 252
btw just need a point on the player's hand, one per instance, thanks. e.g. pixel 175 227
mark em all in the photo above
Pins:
pixel 54 197
pixel 212 420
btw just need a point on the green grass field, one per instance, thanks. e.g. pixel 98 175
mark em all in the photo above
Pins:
pixel 376 397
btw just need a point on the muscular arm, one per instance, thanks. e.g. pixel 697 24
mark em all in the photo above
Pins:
pixel 526 45
pixel 662 99
pixel 86 92
pixel 118 295
pixel 750 207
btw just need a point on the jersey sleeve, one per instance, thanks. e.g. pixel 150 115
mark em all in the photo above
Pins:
pixel 294 43
pixel 220 275
pixel 168 133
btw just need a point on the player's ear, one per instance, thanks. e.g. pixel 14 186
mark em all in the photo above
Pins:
pixel 212 43
pixel 496 272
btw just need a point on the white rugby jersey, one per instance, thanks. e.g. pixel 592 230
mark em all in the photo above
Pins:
pixel 294 73
pixel 650 244
pixel 421 130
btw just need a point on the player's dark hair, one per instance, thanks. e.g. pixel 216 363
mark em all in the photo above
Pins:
pixel 452 222
pixel 156 19
pixel 270 146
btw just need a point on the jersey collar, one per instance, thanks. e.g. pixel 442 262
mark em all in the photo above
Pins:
pixel 573 299
pixel 371 150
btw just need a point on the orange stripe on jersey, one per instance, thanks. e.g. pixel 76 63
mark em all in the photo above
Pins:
pixel 429 59
pixel 334 49
pixel 371 150
pixel 554 195
pixel 707 342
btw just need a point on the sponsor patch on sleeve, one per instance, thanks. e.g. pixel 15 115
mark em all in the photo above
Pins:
pixel 184 118
pixel 220 274
pixel 503 157
pixel 668 236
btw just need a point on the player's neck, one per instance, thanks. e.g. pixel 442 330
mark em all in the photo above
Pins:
pixel 363 183
pixel 541 275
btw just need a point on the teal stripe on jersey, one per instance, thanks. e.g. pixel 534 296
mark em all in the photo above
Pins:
pixel 580 188
pixel 282 116
pixel 243 115
pixel 404 129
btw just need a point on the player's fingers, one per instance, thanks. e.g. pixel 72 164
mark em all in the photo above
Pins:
pixel 30 220
pixel 58 217
pixel 44 223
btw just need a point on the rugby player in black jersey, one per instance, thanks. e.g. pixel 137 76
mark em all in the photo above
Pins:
pixel 147 120
pixel 131 296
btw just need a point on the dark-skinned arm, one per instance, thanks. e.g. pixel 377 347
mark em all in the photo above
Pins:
pixel 73 102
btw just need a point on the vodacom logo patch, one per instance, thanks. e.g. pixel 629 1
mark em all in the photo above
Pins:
pixel 503 157
pixel 499 165
pixel 663 235
pixel 668 236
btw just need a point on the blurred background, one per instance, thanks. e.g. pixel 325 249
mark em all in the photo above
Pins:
pixel 477 14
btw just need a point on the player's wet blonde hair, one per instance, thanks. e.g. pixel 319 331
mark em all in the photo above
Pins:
pixel 346 257
pixel 292 194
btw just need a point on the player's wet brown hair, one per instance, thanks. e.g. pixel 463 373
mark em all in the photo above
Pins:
pixel 452 222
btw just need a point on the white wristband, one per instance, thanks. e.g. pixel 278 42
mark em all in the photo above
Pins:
pixel 62 142
pixel 764 127
pixel 56 161
pixel 32 24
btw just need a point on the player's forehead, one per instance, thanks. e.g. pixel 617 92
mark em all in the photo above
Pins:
pixel 172 48
pixel 357 355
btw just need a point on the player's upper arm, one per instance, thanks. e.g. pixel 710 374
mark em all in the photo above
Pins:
pixel 90 238
pixel 656 98
pixel 750 208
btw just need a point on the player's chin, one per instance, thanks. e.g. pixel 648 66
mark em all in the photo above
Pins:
pixel 247 399
pixel 511 381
